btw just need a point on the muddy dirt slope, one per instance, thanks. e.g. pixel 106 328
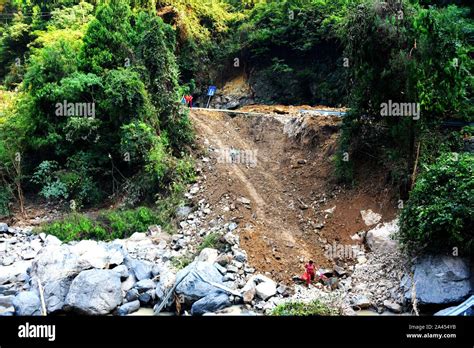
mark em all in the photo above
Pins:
pixel 284 201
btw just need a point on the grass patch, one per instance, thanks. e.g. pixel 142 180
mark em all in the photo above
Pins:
pixel 181 262
pixel 313 308
pixel 212 240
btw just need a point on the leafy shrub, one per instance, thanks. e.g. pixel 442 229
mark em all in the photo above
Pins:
pixel 109 225
pixel 313 308
pixel 76 227
pixel 439 214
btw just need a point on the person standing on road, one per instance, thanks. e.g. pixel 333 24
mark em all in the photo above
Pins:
pixel 189 100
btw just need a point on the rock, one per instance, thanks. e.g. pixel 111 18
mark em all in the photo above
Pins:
pixel 370 218
pixel 8 260
pixel 283 290
pixel 440 280
pixel 232 269
pixel 132 295
pixel 237 264
pixel 145 285
pixel 27 303
pixel 330 210
pixel 6 301
pixel 392 306
pixel 208 255
pixel 115 254
pixel 223 259
pixel 243 200
pixel 138 236
pixel 266 289
pixel 339 270
pixel 128 283
pixel 249 270
pixel 7 311
pixel 333 283
pixel 52 240
pixel 14 272
pixel 194 189
pixel 167 280
pixel 229 277
pixel 90 254
pixel 249 291
pixel 183 212
pixel 95 292
pixel 3 227
pixel 231 238
pixel 240 255
pixel 192 288
pixel 28 255
pixel 55 293
pixel 36 245
pixel 361 301
pixel 122 270
pixel 210 303
pixel 128 308
pixel 144 298
pixel 380 238
pixel 55 262
pixel 232 226
pixel 140 269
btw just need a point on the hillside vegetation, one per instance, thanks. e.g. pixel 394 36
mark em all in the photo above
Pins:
pixel 90 98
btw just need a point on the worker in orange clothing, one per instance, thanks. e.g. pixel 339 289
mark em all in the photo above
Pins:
pixel 189 100
pixel 310 272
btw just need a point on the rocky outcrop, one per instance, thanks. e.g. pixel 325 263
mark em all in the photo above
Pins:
pixel 439 280
pixel 94 292
pixel 210 303
pixel 194 281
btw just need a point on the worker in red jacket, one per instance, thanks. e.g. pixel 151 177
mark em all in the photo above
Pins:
pixel 189 100
pixel 310 272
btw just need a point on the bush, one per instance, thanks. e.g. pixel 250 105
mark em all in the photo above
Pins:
pixel 439 213
pixel 313 308
pixel 109 225
pixel 76 227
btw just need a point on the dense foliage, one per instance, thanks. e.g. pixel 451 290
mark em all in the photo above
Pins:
pixel 440 213
pixel 120 66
